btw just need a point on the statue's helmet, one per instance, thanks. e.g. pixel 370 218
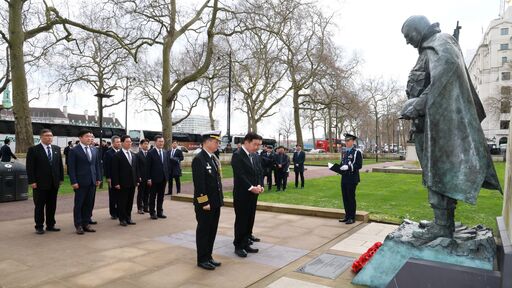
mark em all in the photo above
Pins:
pixel 414 28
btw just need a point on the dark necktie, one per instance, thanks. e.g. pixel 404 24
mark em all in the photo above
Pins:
pixel 144 153
pixel 87 153
pixel 49 153
pixel 129 156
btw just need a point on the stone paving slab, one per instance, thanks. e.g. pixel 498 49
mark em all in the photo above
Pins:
pixel 286 282
pixel 117 256
pixel 270 254
pixel 360 241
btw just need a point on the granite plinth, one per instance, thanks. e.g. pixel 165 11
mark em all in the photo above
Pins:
pixel 471 247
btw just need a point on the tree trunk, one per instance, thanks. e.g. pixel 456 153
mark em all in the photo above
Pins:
pixel 210 114
pixel 22 118
pixel 166 90
pixel 313 132
pixel 296 117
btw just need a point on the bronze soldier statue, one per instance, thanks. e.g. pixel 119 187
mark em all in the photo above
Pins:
pixel 446 114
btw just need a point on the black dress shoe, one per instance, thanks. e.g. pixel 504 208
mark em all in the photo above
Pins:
pixel 254 239
pixel 93 222
pixel 39 231
pixel 153 217
pixel 146 210
pixel 140 212
pixel 52 229
pixel 249 249
pixel 206 265
pixel 343 220
pixel 249 242
pixel 240 253
pixel 88 229
pixel 350 221
pixel 113 217
pixel 79 230
pixel 123 223
pixel 161 216
pixel 130 222
pixel 215 263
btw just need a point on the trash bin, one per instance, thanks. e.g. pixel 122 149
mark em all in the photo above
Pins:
pixel 13 182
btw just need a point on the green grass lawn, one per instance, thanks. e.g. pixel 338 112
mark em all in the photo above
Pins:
pixel 390 198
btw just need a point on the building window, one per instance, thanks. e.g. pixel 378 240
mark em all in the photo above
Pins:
pixel 503 46
pixel 505 106
pixel 504 124
pixel 505 90
pixel 504 60
pixel 505 76
pixel 504 31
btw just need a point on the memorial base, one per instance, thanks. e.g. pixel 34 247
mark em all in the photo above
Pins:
pixel 470 247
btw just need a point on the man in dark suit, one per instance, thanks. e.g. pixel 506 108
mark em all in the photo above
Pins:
pixel 143 189
pixel 5 152
pixel 107 171
pixel 350 164
pixel 175 157
pixel 158 176
pixel 45 173
pixel 268 163
pixel 282 165
pixel 299 157
pixel 247 185
pixel 208 198
pixel 85 176
pixel 125 177
pixel 258 166
pixel 66 152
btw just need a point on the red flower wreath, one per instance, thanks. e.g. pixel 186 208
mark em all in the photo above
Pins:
pixel 363 259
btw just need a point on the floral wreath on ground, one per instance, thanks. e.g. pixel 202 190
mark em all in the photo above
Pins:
pixel 363 259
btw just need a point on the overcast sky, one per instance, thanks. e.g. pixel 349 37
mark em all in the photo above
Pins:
pixel 370 28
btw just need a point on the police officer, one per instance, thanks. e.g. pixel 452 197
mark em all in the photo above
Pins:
pixel 208 198
pixel 351 162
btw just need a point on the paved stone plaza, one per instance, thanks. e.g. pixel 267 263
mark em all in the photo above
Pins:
pixel 161 253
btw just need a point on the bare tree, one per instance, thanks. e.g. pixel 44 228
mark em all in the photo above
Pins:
pixel 169 24
pixel 5 74
pixel 376 92
pixel 303 30
pixel 148 84
pixel 27 22
pixel 258 75
pixel 91 60
pixel 286 128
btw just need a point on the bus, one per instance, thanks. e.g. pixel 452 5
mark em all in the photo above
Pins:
pixel 324 144
pixel 62 132
pixel 236 139
pixel 188 140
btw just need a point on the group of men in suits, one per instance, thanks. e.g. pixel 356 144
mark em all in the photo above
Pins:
pixel 279 164
pixel 149 170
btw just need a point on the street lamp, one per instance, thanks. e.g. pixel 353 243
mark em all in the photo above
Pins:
pixel 126 107
pixel 228 130
pixel 100 120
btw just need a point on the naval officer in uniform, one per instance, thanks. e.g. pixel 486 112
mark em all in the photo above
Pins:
pixel 208 198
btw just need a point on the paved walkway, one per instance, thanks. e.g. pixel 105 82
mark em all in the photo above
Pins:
pixel 25 209
pixel 161 253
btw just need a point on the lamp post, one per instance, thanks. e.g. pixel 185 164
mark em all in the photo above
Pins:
pixel 100 120
pixel 126 107
pixel 228 130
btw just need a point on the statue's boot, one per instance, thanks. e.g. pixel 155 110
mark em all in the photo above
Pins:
pixel 442 226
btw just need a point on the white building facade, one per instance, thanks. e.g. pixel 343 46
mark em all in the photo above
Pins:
pixel 195 124
pixel 490 70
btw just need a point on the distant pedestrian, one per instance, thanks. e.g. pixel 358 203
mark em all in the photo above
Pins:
pixel 299 157
pixel 5 152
